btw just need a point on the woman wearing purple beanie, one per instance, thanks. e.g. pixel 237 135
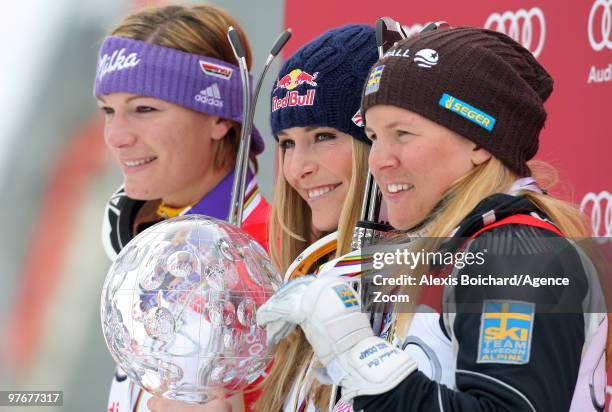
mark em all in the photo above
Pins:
pixel 454 117
pixel 169 86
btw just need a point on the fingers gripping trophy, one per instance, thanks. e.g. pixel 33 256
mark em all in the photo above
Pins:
pixel 178 304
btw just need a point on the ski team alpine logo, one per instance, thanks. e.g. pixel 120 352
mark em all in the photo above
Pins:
pixel 216 70
pixel 505 332
pixel 211 95
pixel 116 61
pixel 293 98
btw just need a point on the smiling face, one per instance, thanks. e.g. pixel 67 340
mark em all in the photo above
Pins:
pixel 164 151
pixel 415 161
pixel 317 163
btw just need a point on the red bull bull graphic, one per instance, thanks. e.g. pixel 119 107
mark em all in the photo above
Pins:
pixel 292 99
pixel 294 78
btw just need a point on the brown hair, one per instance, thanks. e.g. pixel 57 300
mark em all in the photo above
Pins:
pixel 199 30
pixel 290 233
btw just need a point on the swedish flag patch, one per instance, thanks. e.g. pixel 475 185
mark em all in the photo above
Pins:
pixel 374 79
pixel 506 328
pixel 346 295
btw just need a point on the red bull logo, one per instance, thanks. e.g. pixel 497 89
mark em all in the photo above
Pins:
pixel 292 99
pixel 296 77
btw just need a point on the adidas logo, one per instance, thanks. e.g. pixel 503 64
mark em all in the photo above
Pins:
pixel 211 95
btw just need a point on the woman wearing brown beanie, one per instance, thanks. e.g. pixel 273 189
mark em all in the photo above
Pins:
pixel 454 116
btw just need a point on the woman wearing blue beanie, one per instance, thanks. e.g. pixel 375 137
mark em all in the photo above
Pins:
pixel 323 163
pixel 323 167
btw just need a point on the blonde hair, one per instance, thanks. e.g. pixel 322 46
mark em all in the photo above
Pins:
pixel 485 180
pixel 493 177
pixel 290 221
pixel 199 30
pixel 290 233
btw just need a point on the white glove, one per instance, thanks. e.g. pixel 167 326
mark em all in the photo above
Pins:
pixel 279 314
pixel 329 312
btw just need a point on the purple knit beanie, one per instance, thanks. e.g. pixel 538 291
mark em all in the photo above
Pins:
pixel 199 83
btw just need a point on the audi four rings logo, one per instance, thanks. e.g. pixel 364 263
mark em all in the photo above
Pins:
pixel 521 25
pixel 599 208
pixel 600 25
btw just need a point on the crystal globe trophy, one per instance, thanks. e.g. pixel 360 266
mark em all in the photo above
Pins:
pixel 178 308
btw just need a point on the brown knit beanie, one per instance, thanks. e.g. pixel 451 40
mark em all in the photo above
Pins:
pixel 476 82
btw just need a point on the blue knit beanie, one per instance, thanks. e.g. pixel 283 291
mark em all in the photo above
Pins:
pixel 321 84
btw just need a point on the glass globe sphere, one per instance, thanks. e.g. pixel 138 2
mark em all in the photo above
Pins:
pixel 178 308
